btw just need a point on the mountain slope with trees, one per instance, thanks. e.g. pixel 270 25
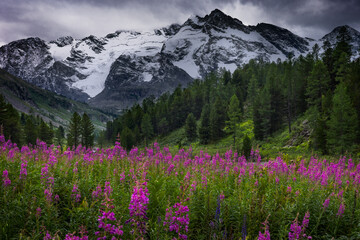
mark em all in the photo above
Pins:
pixel 314 98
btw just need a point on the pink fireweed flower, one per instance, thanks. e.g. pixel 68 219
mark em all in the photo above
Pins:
pixel 108 190
pixel 177 220
pixel 71 236
pixel 289 189
pixel 97 193
pixel 298 231
pixel 76 196
pixel 277 180
pixel 193 186
pixel 23 170
pixel 6 180
pixel 122 176
pixel 326 203
pixel 138 207
pixel 341 210
pixel 266 235
pixel 38 212
pixel 48 194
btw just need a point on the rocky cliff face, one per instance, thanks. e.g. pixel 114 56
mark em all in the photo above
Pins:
pixel 125 67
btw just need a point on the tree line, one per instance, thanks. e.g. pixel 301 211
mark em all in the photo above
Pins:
pixel 26 129
pixel 323 87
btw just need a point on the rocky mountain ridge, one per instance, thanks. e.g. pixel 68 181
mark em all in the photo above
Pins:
pixel 125 67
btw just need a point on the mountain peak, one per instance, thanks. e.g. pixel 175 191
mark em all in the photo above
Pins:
pixel 216 20
pixel 353 34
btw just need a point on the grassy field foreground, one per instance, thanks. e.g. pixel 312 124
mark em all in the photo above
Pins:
pixel 153 194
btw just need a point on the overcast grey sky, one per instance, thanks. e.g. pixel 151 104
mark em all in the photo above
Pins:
pixel 50 19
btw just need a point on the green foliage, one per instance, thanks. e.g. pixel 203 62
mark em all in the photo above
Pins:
pixel 204 129
pixel 127 138
pixel 342 124
pixel 318 84
pixel 233 116
pixel 10 121
pixel 30 131
pixel 74 134
pixel 246 149
pixel 217 119
pixel 190 127
pixel 60 135
pixel 87 131
pixel 46 134
pixel 147 128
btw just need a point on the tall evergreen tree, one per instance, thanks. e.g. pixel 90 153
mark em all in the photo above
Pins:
pixel 87 131
pixel 147 128
pixel 10 121
pixel 74 135
pixel 342 123
pixel 318 84
pixel 60 134
pixel 190 127
pixel 127 138
pixel 45 133
pixel 246 149
pixel 204 130
pixel 252 91
pixel 30 132
pixel 217 119
pixel 233 116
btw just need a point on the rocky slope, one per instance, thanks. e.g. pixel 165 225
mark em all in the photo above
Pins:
pixel 124 67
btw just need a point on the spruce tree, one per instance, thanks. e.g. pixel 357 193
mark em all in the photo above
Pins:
pixel 147 128
pixel 204 130
pixel 246 149
pixel 127 138
pixel 234 117
pixel 59 134
pixel 87 131
pixel 74 135
pixel 252 91
pixel 30 132
pixel 10 121
pixel 318 84
pixel 217 119
pixel 342 124
pixel 190 127
pixel 45 133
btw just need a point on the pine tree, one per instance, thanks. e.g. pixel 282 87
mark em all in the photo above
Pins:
pixel 163 126
pixel 217 119
pixel 10 121
pixel 190 127
pixel 30 132
pixel 87 131
pixel 74 135
pixel 59 134
pixel 45 133
pixel 147 128
pixel 246 149
pixel 252 91
pixel 342 124
pixel 318 84
pixel 204 130
pixel 127 138
pixel 234 117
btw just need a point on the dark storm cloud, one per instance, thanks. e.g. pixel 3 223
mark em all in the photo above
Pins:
pixel 318 14
pixel 50 19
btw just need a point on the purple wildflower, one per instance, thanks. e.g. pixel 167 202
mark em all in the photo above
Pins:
pixel 6 180
pixel 177 219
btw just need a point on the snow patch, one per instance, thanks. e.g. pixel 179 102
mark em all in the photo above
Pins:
pixel 147 77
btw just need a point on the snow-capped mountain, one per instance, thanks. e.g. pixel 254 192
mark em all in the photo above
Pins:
pixel 124 67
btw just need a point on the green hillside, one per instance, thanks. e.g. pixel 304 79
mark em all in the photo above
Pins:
pixel 51 107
